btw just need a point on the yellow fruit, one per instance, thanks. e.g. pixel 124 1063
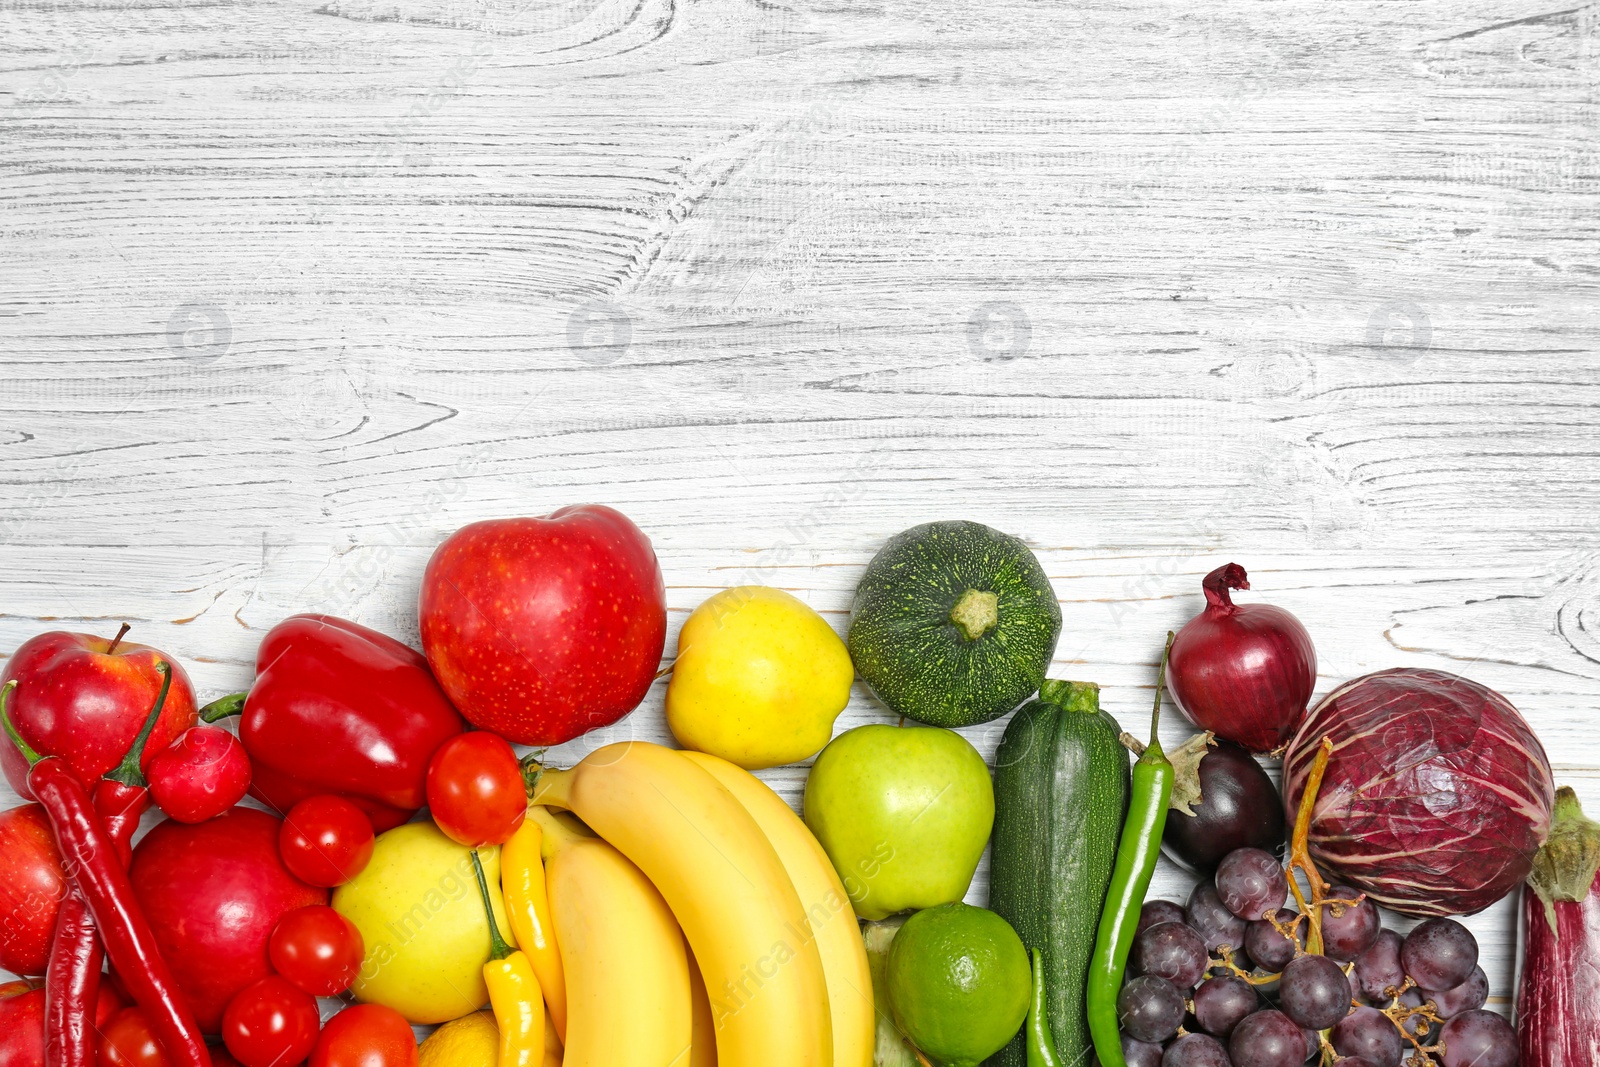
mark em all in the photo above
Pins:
pixel 418 909
pixel 727 888
pixel 471 1041
pixel 703 1027
pixel 759 679
pixel 626 965
pixel 832 919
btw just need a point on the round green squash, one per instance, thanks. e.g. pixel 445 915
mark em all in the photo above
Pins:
pixel 953 624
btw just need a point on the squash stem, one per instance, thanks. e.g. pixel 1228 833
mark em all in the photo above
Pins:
pixel 976 613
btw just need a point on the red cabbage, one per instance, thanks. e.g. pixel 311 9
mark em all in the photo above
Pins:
pixel 1437 794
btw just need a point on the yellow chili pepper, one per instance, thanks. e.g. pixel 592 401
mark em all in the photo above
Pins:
pixel 528 907
pixel 513 992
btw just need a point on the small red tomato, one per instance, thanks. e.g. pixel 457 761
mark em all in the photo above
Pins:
pixel 366 1035
pixel 475 790
pixel 317 949
pixel 326 841
pixel 200 775
pixel 271 1024
pixel 127 1041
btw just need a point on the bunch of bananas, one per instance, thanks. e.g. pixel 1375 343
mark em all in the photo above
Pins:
pixel 703 925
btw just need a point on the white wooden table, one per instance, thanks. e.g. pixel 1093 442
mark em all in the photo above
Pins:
pixel 289 292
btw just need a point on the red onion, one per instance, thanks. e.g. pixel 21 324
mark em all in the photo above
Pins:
pixel 1437 794
pixel 1558 1006
pixel 1243 671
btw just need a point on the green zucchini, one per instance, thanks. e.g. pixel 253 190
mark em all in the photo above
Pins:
pixel 1061 793
pixel 953 624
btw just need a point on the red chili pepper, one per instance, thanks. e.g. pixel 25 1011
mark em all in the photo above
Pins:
pixel 90 857
pixel 72 978
pixel 338 708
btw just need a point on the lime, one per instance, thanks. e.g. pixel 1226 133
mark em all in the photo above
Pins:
pixel 959 983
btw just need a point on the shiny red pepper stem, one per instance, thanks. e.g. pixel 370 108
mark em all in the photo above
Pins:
pixel 223 708
pixel 130 772
pixel 90 859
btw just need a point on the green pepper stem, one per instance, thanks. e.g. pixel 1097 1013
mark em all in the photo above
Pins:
pixel 1155 714
pixel 498 949
pixel 130 772
pixel 223 707
pixel 11 729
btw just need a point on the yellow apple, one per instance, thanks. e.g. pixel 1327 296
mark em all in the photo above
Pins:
pixel 418 908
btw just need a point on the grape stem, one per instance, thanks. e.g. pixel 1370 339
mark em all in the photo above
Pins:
pixel 1224 958
pixel 1300 852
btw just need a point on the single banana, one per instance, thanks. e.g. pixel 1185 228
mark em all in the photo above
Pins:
pixel 827 905
pixel 703 1027
pixel 727 887
pixel 626 965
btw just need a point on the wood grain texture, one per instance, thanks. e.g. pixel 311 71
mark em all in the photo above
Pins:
pixel 288 292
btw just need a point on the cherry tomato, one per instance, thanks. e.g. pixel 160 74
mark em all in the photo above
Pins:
pixel 271 1024
pixel 326 841
pixel 475 790
pixel 366 1035
pixel 317 949
pixel 127 1041
pixel 200 775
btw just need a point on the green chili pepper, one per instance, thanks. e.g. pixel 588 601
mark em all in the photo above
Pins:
pixel 1041 1046
pixel 1137 852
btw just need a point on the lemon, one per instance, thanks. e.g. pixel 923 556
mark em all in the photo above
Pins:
pixel 959 983
pixel 759 679
pixel 471 1041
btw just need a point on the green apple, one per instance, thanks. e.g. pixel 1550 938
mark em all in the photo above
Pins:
pixel 903 812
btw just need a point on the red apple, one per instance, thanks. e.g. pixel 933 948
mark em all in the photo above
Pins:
pixel 213 892
pixel 32 886
pixel 84 698
pixel 22 1021
pixel 543 629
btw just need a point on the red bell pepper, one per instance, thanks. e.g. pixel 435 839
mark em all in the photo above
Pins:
pixel 338 708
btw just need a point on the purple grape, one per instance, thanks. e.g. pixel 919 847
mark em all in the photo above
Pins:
pixel 1478 1039
pixel 1212 919
pixel 1171 951
pixel 1196 1050
pixel 1378 968
pixel 1251 883
pixel 1150 1008
pixel 1267 1039
pixel 1415 1025
pixel 1468 996
pixel 1439 954
pixel 1369 1034
pixel 1140 1053
pixel 1355 1061
pixel 1270 948
pixel 1158 911
pixel 1314 992
pixel 1220 1004
pixel 1346 936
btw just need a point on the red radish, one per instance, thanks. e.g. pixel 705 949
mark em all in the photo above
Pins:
pixel 200 775
pixel 1558 1005
pixel 541 629
pixel 85 698
pixel 1437 794
pixel 1243 671
pixel 213 893
pixel 32 885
